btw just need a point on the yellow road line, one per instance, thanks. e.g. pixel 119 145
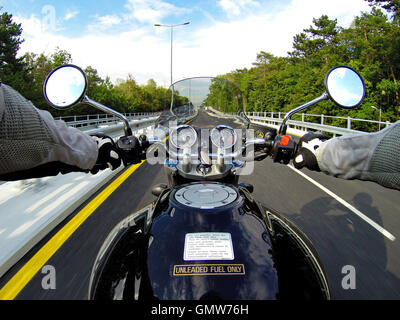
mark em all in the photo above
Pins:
pixel 15 285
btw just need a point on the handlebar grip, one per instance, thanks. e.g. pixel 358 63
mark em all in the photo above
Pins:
pixel 130 149
pixel 284 149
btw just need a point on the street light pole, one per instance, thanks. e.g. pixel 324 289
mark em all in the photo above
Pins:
pixel 172 37
pixel 380 115
pixel 172 40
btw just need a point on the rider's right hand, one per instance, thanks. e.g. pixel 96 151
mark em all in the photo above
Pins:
pixel 306 152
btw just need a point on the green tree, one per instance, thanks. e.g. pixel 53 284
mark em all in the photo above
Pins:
pixel 11 67
pixel 370 45
pixel 392 6
pixel 38 67
pixel 317 43
pixel 373 48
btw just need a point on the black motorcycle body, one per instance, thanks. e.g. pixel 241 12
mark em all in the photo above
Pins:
pixel 269 258
pixel 206 237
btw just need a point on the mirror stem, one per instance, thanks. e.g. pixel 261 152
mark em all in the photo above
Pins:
pixel 283 128
pixel 127 128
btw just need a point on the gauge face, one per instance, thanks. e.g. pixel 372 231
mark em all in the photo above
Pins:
pixel 223 137
pixel 259 134
pixel 183 137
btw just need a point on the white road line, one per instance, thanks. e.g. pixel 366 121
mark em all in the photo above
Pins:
pixel 383 231
pixel 47 198
pixel 48 209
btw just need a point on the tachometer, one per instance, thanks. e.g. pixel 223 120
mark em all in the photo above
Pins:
pixel 223 137
pixel 183 137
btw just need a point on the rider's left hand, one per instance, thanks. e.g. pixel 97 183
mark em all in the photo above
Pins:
pixel 109 156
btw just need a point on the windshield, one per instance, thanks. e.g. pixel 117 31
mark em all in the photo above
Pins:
pixel 214 100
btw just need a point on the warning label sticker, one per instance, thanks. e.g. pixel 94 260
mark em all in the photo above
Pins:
pixel 208 246
pixel 209 269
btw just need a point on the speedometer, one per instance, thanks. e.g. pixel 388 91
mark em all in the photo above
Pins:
pixel 183 137
pixel 223 137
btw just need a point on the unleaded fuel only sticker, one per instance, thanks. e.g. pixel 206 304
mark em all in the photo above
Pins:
pixel 209 269
pixel 208 246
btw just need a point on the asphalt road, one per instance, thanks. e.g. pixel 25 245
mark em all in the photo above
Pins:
pixel 340 237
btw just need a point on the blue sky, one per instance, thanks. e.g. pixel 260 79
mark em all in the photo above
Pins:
pixel 119 38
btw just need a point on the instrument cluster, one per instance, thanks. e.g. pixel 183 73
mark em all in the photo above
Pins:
pixel 185 137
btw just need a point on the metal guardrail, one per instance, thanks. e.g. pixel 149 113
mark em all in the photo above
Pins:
pixel 268 118
pixel 104 123
pixel 97 120
pixel 107 123
pixel 119 126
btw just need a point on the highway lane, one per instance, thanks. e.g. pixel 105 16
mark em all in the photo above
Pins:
pixel 31 208
pixel 340 236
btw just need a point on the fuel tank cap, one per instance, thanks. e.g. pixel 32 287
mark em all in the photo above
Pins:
pixel 206 195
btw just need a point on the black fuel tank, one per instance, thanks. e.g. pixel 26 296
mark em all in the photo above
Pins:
pixel 208 244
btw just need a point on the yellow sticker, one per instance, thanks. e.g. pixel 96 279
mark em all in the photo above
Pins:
pixel 209 269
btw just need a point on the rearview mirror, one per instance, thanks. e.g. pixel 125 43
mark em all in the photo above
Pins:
pixel 345 87
pixel 65 86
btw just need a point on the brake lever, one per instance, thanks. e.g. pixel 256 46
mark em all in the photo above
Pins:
pixel 261 156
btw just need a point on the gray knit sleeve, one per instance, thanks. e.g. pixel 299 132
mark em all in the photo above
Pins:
pixel 30 137
pixel 385 162
pixel 367 156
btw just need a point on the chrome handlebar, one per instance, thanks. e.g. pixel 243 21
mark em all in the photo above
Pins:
pixel 221 154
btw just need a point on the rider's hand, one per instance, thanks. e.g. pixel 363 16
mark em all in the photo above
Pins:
pixel 305 155
pixel 109 156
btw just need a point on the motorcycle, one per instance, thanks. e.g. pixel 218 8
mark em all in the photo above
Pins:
pixel 205 237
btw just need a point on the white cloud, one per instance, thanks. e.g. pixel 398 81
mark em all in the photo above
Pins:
pixel 104 22
pixel 218 48
pixel 31 26
pixel 224 47
pixel 236 7
pixel 151 11
pixel 113 55
pixel 70 14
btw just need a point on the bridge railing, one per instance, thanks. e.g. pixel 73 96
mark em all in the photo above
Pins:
pixel 96 120
pixel 275 119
